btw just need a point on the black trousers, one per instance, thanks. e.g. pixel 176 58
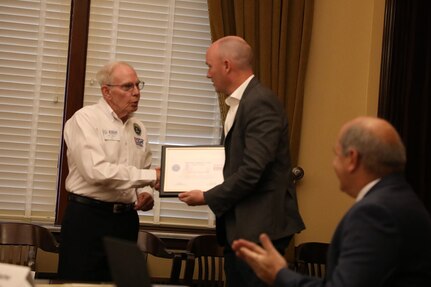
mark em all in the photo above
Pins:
pixel 238 273
pixel 82 256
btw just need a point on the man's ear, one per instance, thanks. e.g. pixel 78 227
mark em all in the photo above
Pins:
pixel 226 65
pixel 106 93
pixel 354 160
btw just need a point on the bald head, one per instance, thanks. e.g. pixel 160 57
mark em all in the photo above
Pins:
pixel 234 49
pixel 229 61
pixel 377 142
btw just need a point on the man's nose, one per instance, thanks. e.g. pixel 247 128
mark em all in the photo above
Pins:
pixel 136 90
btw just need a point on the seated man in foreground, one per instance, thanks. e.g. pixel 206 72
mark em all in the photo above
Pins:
pixel 384 239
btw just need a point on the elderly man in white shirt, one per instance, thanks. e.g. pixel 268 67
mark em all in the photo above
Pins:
pixel 109 177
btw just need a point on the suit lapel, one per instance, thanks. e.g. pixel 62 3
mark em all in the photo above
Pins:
pixel 247 90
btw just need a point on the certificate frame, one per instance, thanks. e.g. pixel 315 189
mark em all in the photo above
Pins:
pixel 185 168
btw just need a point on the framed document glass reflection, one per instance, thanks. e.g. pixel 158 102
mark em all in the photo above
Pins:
pixel 184 168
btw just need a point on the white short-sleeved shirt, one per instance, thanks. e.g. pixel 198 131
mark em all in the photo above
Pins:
pixel 107 158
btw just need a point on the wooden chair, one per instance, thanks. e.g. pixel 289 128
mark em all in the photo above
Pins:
pixel 204 250
pixel 19 243
pixel 149 243
pixel 310 258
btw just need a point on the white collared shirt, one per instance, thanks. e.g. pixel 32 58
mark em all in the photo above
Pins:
pixel 366 189
pixel 107 158
pixel 233 102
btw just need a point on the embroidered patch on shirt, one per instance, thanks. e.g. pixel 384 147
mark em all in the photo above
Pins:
pixel 111 135
pixel 137 129
pixel 139 142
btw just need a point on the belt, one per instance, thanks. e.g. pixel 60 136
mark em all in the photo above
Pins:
pixel 113 207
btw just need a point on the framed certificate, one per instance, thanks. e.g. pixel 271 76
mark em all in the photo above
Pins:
pixel 184 168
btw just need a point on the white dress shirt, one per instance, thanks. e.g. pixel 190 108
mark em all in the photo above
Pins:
pixel 366 189
pixel 107 158
pixel 233 102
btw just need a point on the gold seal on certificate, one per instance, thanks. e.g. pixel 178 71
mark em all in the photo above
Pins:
pixel 184 168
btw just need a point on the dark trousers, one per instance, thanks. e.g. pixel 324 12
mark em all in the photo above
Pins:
pixel 82 255
pixel 238 273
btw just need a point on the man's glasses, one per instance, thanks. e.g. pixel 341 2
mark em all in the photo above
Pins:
pixel 129 86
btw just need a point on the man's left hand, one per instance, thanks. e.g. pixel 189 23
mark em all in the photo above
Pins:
pixel 145 202
pixel 193 197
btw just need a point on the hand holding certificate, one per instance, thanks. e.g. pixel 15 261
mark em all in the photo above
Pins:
pixel 186 168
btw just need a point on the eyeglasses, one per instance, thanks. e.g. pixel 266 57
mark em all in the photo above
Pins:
pixel 129 86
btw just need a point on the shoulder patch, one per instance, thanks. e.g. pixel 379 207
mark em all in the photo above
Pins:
pixel 137 129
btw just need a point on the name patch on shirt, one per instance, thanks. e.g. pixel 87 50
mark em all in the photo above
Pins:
pixel 139 142
pixel 111 135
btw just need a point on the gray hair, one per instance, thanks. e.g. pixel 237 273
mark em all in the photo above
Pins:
pixel 379 155
pixel 103 76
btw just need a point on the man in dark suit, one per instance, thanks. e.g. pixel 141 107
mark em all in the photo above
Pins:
pixel 384 239
pixel 257 194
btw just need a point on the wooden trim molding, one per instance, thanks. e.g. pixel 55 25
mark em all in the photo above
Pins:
pixel 74 91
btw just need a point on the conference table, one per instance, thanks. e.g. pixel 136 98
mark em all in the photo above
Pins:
pixel 38 284
pixel 48 283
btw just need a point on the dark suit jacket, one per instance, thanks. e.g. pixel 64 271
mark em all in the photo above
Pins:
pixel 383 240
pixel 257 194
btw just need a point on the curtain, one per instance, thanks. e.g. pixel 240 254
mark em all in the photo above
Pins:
pixel 405 89
pixel 279 32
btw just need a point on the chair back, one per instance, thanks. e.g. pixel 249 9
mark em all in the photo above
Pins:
pixel 205 251
pixel 19 243
pixel 150 243
pixel 310 258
